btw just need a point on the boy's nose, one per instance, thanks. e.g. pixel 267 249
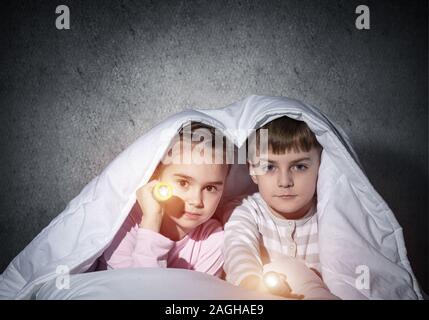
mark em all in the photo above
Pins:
pixel 285 180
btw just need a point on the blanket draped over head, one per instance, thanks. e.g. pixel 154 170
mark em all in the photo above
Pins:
pixel 358 232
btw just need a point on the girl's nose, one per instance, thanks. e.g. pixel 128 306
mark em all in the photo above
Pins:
pixel 285 179
pixel 195 199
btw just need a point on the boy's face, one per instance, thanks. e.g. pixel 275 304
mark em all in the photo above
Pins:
pixel 199 186
pixel 287 182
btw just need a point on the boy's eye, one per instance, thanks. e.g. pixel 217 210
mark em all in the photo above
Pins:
pixel 268 168
pixel 299 167
pixel 211 188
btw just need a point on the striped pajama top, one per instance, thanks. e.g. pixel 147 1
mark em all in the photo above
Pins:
pixel 254 237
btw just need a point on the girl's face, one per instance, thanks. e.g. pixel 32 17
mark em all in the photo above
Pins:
pixel 199 186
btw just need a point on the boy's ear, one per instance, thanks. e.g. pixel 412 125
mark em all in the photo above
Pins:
pixel 252 172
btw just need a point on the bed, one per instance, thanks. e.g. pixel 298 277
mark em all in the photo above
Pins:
pixel 356 228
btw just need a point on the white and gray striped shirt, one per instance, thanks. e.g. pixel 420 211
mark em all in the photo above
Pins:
pixel 254 237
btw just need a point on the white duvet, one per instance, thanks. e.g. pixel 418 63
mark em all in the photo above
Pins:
pixel 176 284
pixel 358 233
pixel 147 284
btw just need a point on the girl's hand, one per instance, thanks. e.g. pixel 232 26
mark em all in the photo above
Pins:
pixel 152 210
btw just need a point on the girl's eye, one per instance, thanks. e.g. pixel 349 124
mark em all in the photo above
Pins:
pixel 299 167
pixel 211 188
pixel 183 183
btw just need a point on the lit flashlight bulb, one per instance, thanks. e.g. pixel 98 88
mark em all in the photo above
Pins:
pixel 271 279
pixel 162 191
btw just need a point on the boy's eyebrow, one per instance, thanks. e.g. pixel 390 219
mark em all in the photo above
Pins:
pixel 294 161
pixel 301 159
pixel 192 179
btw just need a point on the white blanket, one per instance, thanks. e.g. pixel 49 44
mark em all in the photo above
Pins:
pixel 146 284
pixel 358 233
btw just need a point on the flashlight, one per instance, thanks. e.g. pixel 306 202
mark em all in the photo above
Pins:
pixel 277 285
pixel 271 280
pixel 162 191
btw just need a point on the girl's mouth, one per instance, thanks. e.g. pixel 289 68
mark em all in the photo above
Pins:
pixel 191 215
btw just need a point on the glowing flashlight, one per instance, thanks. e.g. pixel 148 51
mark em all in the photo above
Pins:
pixel 271 279
pixel 163 191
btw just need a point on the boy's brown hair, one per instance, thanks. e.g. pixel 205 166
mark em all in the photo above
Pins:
pixel 286 134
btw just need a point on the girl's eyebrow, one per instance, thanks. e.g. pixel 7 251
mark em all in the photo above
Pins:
pixel 184 176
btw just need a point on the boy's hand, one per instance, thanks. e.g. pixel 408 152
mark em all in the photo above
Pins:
pixel 282 288
pixel 152 209
pixel 253 283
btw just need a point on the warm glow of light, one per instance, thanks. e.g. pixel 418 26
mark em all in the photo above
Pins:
pixel 271 279
pixel 163 191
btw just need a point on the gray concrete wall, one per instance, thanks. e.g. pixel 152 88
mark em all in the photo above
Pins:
pixel 71 100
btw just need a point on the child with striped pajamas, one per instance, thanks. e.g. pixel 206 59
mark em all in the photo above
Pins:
pixel 278 224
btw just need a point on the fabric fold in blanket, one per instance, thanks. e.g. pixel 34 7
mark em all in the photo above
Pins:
pixel 357 229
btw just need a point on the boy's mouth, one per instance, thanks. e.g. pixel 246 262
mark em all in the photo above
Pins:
pixel 285 196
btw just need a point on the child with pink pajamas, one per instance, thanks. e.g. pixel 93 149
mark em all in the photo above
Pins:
pixel 200 250
pixel 180 232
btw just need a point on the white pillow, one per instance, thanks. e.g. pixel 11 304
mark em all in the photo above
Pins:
pixel 147 284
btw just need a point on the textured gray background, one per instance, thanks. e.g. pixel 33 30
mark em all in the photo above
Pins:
pixel 70 101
